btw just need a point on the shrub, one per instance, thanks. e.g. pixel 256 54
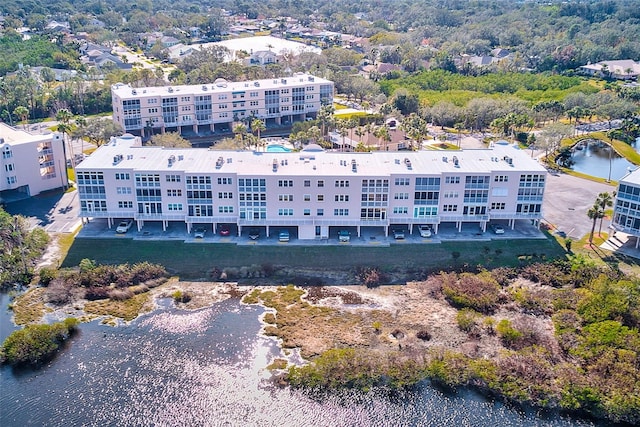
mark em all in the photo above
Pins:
pixel 46 275
pixel 181 297
pixel 120 294
pixel 466 319
pixel 508 333
pixel 35 343
pixel 371 277
pixel 477 291
pixel 96 292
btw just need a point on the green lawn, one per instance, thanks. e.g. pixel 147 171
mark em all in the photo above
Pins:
pixel 196 260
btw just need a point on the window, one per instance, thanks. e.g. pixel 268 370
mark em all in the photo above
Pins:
pixel 225 195
pixel 342 198
pixel 450 194
pixel 174 192
pixel 320 212
pixel 307 197
pixel 225 209
pixel 285 197
pixel 400 210
pixel 285 212
pixel 320 183
pixel 122 176
pixel 501 178
pixel 125 205
pixel 342 183
pixel 452 180
pixel 123 190
pixel 307 183
pixel 185 98
pixel 285 183
pixel 497 206
pixel 11 180
pixel 173 178
pixel 401 196
pixel 174 206
pixel 450 208
pixel 402 181
pixel 225 181
pixel 321 197
pixel 341 212
pixel 306 212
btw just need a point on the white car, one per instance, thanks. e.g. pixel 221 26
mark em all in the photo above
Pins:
pixel 498 229
pixel 344 236
pixel 425 230
pixel 124 226
pixel 198 233
pixel 398 234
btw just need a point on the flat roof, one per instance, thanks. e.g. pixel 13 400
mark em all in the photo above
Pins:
pixel 125 91
pixel 120 155
pixel 632 177
pixel 15 136
pixel 258 43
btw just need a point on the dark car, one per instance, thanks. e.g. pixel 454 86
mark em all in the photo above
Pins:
pixel 254 233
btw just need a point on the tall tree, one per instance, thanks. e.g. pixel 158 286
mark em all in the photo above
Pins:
pixel 169 139
pixel 64 117
pixel 23 113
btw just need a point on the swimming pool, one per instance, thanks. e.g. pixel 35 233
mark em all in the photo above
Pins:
pixel 277 148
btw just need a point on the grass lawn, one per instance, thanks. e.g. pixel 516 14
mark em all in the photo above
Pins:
pixel 196 260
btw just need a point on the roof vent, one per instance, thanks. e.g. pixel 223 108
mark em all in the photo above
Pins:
pixel 117 159
pixel 445 159
pixel 219 162
pixel 134 92
pixel 171 160
pixel 275 165
pixel 170 89
pixel 509 160
pixel 407 162
pixel 456 163
pixel 204 88
pixel 180 157
pixel 256 84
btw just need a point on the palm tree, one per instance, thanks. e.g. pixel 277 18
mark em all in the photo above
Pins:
pixel 594 213
pixel 605 200
pixel 342 127
pixel 23 113
pixel 240 130
pixel 258 126
pixel 64 127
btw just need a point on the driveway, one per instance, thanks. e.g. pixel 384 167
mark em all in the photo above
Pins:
pixel 567 200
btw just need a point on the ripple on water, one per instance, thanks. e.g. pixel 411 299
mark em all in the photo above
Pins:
pixel 208 368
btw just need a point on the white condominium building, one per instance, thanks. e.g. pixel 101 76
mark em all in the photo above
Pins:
pixel 29 164
pixel 214 107
pixel 626 210
pixel 311 190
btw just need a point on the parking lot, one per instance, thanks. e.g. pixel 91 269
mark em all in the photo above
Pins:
pixel 370 236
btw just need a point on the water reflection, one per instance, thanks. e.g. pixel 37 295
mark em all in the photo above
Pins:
pixel 598 159
pixel 207 368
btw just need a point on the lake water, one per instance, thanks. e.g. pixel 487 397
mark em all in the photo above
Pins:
pixel 594 160
pixel 207 368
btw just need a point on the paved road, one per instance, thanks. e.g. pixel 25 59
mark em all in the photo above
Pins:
pixel 567 200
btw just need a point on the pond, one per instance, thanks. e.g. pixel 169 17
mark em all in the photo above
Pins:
pixel 596 158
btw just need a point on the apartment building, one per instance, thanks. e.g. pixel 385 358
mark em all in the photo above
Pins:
pixel 210 108
pixel 626 209
pixel 30 164
pixel 315 191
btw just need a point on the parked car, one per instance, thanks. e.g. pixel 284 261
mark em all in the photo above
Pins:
pixel 124 226
pixel 425 230
pixel 254 233
pixel 198 233
pixel 344 236
pixel 398 234
pixel 283 236
pixel 224 230
pixel 497 229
